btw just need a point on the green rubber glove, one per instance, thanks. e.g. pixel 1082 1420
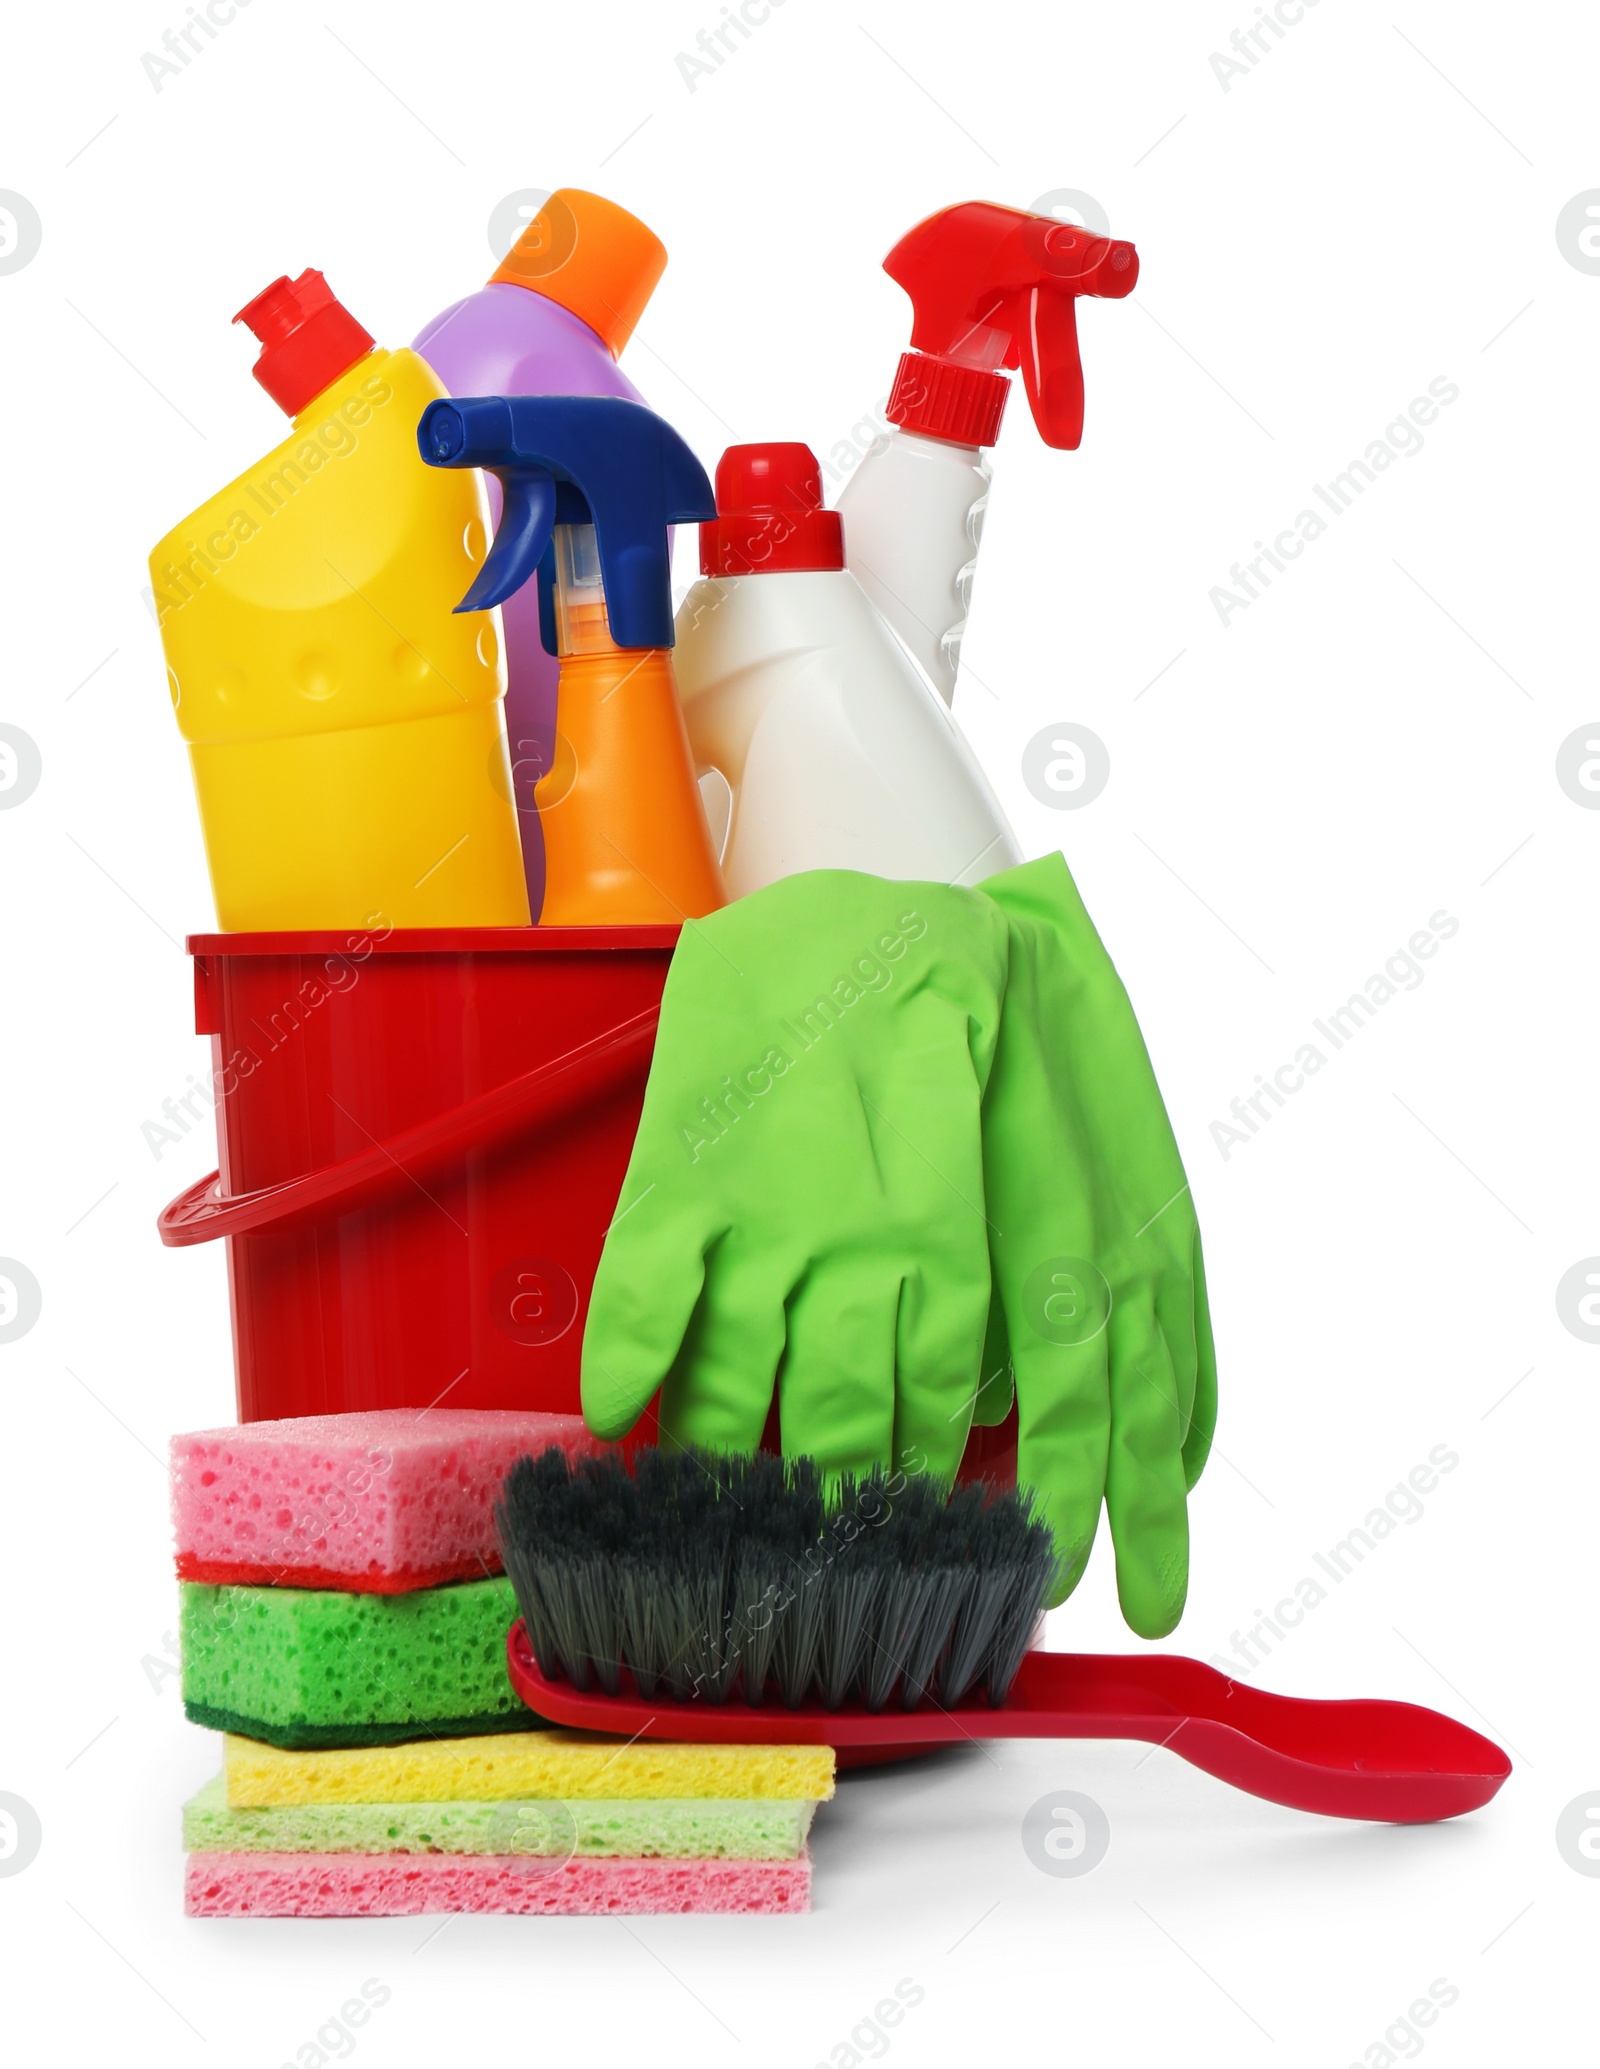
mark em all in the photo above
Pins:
pixel 804 1203
pixel 1096 1254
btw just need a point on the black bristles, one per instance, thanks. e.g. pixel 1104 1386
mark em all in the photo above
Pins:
pixel 977 1620
pixel 911 1585
pixel 851 1596
pixel 710 1577
pixel 799 1611
pixel 1035 1574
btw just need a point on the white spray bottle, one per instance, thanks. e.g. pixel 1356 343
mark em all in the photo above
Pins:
pixel 991 288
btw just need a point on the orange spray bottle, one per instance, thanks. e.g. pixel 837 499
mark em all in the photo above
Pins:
pixel 591 484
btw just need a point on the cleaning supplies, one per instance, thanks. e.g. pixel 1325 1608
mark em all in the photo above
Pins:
pixel 324 1667
pixel 850 1078
pixel 523 1767
pixel 591 485
pixel 344 728
pixel 990 288
pixel 375 1508
pixel 553 320
pixel 835 750
pixel 684 1828
pixel 1393 1763
pixel 1096 1253
pixel 728 1554
pixel 523 1822
pixel 380 1503
pixel 803 1210
pixel 405 1805
pixel 357 1154
pixel 352 1885
pixel 749 1585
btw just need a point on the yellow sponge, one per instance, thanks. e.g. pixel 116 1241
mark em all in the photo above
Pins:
pixel 531 1765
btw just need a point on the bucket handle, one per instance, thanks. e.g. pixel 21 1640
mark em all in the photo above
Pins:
pixel 201 1213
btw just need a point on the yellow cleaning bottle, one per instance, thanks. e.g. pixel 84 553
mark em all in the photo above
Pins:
pixel 344 726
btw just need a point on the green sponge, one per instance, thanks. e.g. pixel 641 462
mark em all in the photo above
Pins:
pixel 684 1829
pixel 318 1667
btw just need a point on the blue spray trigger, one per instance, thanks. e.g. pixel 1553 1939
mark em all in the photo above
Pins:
pixel 548 637
pixel 611 463
pixel 527 520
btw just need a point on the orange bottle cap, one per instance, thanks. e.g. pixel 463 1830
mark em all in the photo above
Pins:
pixel 590 256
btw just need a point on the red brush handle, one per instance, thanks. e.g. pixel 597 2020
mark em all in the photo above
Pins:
pixel 1390 1761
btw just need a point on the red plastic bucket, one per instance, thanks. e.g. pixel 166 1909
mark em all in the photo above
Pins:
pixel 421 1140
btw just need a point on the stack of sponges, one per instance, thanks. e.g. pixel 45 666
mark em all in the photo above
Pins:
pixel 527 1822
pixel 344 1620
pixel 341 1582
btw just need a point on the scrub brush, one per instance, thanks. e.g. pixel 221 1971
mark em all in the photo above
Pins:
pixel 675 1597
pixel 732 1578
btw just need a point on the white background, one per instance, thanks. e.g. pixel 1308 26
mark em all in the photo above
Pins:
pixel 1371 206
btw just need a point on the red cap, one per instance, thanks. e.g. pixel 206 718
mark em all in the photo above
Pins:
pixel 770 518
pixel 997 287
pixel 961 404
pixel 307 338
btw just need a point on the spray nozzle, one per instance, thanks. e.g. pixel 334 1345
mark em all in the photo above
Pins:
pixel 995 288
pixel 576 461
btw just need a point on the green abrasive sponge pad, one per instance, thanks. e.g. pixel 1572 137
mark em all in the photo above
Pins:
pixel 682 1828
pixel 319 1667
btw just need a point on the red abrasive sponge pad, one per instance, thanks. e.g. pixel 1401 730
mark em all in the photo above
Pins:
pixel 353 1885
pixel 377 1503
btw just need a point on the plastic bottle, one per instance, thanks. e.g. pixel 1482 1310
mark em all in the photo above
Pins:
pixel 591 485
pixel 552 320
pixel 837 753
pixel 344 727
pixel 991 288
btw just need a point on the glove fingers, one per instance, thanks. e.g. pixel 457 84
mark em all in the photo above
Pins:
pixel 996 1383
pixel 1145 1492
pixel 941 1324
pixel 1203 1418
pixel 719 1388
pixel 835 1388
pixel 1063 1436
pixel 1175 1315
pixel 649 1279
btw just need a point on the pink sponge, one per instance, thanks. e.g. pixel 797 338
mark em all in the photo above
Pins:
pixel 354 1885
pixel 376 1503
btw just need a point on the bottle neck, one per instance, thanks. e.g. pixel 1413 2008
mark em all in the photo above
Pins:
pixel 330 395
pixel 939 399
pixel 582 623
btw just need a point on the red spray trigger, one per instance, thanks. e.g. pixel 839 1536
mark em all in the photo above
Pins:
pixel 994 288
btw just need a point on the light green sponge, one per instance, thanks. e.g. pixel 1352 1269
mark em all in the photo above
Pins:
pixel 317 1667
pixel 684 1829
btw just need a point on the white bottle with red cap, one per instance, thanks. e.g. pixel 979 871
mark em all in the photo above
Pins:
pixel 835 750
pixel 991 288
